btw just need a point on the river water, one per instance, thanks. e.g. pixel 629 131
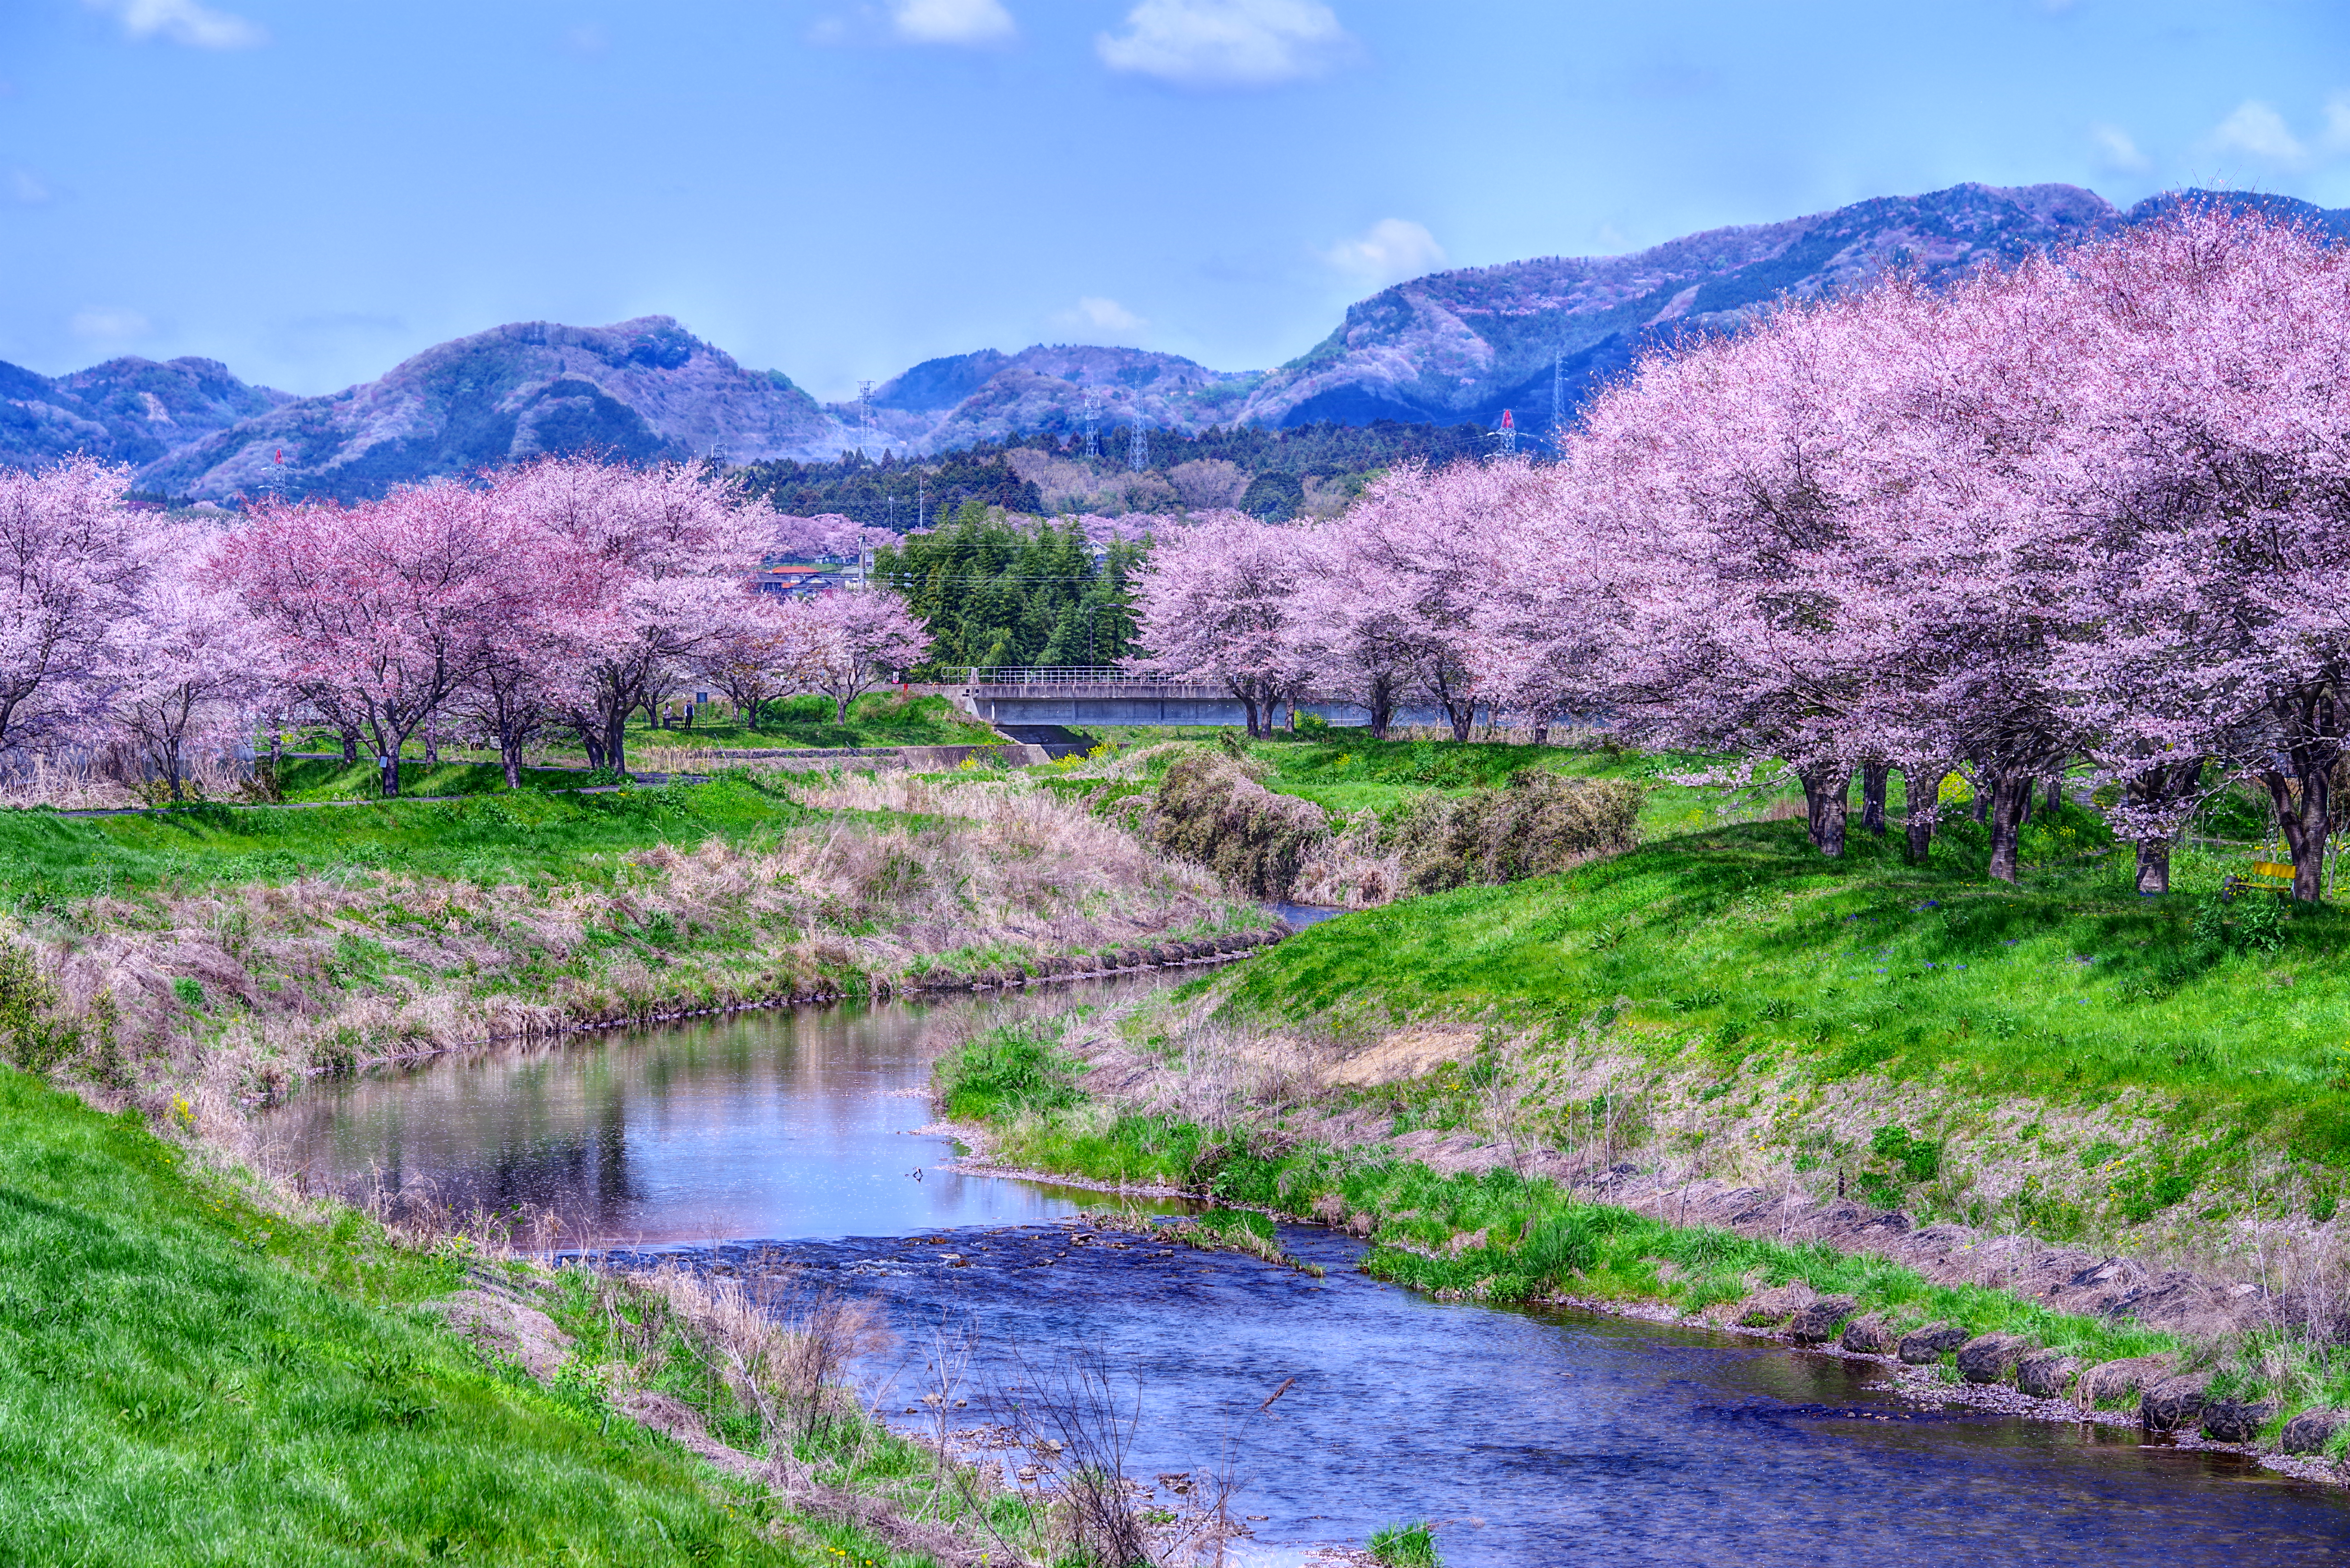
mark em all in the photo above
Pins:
pixel 776 1142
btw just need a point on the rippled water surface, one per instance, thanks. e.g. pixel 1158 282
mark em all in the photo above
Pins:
pixel 1532 1438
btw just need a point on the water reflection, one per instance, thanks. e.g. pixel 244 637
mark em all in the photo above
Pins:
pixel 788 1123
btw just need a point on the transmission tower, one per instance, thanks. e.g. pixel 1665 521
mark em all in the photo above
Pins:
pixel 1093 425
pixel 866 436
pixel 922 501
pixel 1137 451
pixel 1558 402
pixel 1506 438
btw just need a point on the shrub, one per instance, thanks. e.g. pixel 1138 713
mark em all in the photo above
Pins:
pixel 1537 823
pixel 1005 1072
pixel 1210 809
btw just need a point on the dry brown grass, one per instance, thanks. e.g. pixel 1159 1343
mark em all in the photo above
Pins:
pixel 321 971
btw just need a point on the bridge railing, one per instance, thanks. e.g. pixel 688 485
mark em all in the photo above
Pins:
pixel 1050 675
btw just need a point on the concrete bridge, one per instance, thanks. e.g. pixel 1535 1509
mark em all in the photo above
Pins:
pixel 1077 695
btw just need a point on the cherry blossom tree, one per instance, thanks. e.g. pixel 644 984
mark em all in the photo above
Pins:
pixel 375 613
pixel 187 669
pixel 1219 602
pixel 860 640
pixel 766 649
pixel 70 568
pixel 676 541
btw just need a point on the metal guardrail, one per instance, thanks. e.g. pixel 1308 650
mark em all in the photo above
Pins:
pixel 1066 675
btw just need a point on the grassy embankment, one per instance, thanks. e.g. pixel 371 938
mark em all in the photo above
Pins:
pixel 236 949
pixel 193 1372
pixel 875 720
pixel 188 1378
pixel 2165 1078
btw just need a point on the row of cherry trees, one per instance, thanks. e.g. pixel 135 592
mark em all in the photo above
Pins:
pixel 553 599
pixel 2094 506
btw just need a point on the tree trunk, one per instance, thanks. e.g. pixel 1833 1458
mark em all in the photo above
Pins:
pixel 2161 786
pixel 2303 802
pixel 1827 792
pixel 350 747
pixel 431 740
pixel 1256 724
pixel 2011 800
pixel 2055 793
pixel 1982 794
pixel 1542 733
pixel 1923 787
pixel 840 709
pixel 616 742
pixel 592 742
pixel 1463 718
pixel 1382 706
pixel 1872 797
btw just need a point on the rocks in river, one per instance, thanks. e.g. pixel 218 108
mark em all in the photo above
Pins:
pixel 1989 1357
pixel 2236 1420
pixel 2108 1382
pixel 1818 1323
pixel 2046 1373
pixel 2173 1402
pixel 1869 1336
pixel 2309 1432
pixel 1922 1345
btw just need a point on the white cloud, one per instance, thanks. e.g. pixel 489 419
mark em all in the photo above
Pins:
pixel 951 21
pixel 1389 251
pixel 28 189
pixel 109 324
pixel 1102 318
pixel 2117 152
pixel 1228 43
pixel 184 22
pixel 2259 130
pixel 2337 123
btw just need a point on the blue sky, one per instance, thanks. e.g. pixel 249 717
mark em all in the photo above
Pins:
pixel 311 190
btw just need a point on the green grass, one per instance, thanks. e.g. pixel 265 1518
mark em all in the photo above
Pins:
pixel 876 719
pixel 1496 1236
pixel 1406 1546
pixel 47 859
pixel 1346 772
pixel 186 1379
pixel 1744 948
pixel 323 779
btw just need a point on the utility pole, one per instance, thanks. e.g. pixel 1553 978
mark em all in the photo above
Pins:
pixel 1558 403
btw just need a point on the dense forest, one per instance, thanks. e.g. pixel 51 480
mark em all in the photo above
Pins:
pixel 1275 475
pixel 1013 593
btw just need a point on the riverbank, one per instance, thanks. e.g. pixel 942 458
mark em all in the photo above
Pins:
pixel 1168 1095
pixel 212 958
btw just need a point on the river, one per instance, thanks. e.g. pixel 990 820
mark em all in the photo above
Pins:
pixel 785 1141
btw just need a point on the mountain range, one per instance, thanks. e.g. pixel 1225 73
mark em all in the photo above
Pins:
pixel 1450 347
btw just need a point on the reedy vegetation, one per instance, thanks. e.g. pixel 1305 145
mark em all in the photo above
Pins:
pixel 237 949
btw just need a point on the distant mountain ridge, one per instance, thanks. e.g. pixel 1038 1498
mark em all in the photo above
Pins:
pixel 1451 347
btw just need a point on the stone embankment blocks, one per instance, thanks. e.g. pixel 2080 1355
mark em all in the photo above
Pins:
pixel 1922 1346
pixel 2046 1373
pixel 1991 1357
pixel 2174 1404
pixel 2309 1432
pixel 1818 1323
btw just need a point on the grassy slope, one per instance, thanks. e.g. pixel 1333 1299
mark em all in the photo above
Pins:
pixel 1743 943
pixel 303 779
pixel 185 1379
pixel 877 719
pixel 1495 1236
pixel 45 858
pixel 1346 772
